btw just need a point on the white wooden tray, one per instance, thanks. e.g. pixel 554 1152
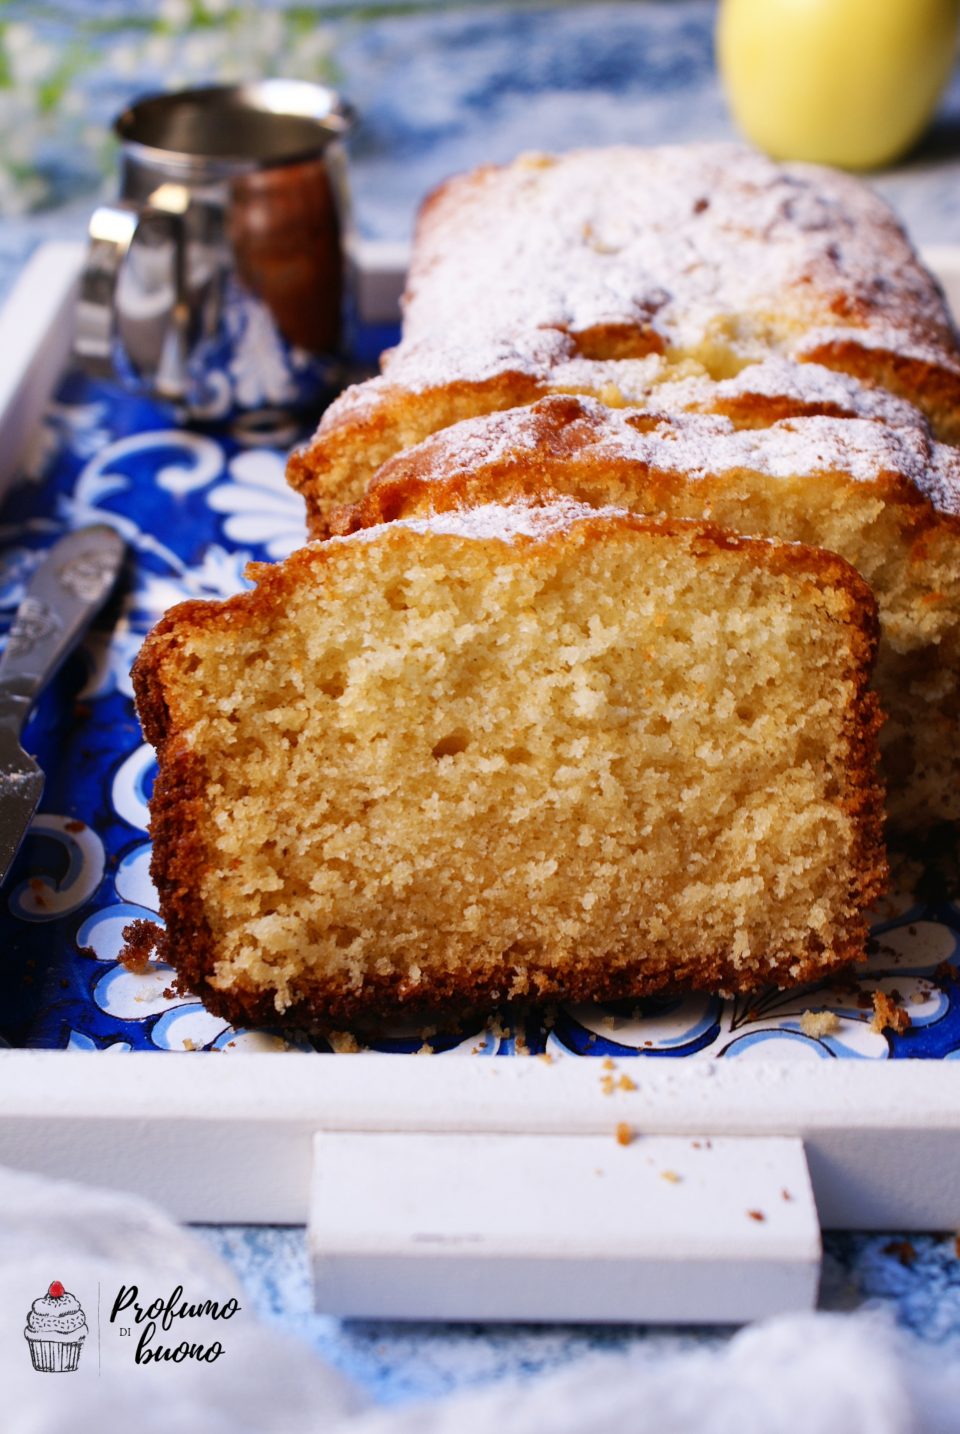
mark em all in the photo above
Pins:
pixel 525 1187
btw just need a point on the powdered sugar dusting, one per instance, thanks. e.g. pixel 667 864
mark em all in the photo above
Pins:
pixel 696 285
pixel 695 242
pixel 492 522
pixel 942 484
pixel 506 522
pixel 581 430
pixel 652 383
pixel 809 385
pixel 431 361
pixel 711 256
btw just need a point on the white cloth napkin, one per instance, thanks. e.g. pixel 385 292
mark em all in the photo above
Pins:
pixel 820 1374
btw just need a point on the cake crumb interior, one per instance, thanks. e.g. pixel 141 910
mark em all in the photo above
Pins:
pixel 431 766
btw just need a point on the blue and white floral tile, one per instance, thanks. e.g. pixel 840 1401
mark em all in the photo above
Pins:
pixel 195 508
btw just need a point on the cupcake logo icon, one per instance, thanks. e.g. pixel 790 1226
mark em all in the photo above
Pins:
pixel 56 1329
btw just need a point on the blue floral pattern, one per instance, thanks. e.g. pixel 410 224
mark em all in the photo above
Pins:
pixel 194 509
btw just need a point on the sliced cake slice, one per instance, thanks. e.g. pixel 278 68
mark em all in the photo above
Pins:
pixel 511 754
pixel 887 500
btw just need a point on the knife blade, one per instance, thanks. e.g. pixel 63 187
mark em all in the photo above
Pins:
pixel 62 596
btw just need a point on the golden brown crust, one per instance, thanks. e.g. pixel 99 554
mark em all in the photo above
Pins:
pixel 180 856
pixel 147 671
pixel 379 420
pixel 370 422
pixel 900 374
pixel 576 446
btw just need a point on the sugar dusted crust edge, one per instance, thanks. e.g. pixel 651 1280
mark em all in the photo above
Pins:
pixel 375 422
pixel 382 418
pixel 178 805
pixel 463 465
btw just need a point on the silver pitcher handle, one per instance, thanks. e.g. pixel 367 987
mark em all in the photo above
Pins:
pixel 112 231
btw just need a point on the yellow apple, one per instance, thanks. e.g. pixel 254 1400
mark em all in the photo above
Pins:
pixel 845 82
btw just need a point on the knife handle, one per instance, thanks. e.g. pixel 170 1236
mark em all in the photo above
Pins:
pixel 61 598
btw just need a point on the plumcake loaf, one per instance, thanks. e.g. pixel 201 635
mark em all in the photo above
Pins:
pixel 511 754
pixel 682 261
pixel 887 500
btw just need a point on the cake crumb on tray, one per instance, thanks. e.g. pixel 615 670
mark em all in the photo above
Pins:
pixel 819 1023
pixel 888 1015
